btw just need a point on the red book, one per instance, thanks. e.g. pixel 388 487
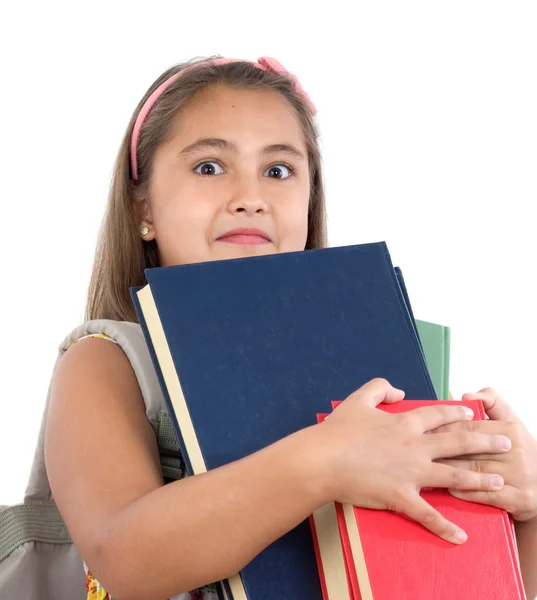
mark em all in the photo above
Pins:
pixel 390 556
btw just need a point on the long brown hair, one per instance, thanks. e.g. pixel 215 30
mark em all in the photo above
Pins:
pixel 121 255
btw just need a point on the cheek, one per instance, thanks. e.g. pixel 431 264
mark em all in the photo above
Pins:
pixel 177 199
pixel 293 221
pixel 182 225
pixel 185 211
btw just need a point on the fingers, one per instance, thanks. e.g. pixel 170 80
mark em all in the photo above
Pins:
pixel 376 391
pixel 517 502
pixel 432 417
pixel 457 477
pixel 496 407
pixel 498 427
pixel 472 463
pixel 448 445
pixel 422 512
pixel 507 498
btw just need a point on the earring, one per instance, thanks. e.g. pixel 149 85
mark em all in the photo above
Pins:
pixel 144 230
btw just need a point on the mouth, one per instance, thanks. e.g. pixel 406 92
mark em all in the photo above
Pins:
pixel 245 236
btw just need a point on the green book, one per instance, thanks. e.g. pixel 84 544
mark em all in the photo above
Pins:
pixel 435 341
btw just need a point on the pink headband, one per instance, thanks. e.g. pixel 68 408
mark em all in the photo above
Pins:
pixel 265 64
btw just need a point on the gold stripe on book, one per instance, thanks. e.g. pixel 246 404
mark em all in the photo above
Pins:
pixel 357 552
pixel 329 541
pixel 177 399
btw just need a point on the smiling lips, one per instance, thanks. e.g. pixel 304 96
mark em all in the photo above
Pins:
pixel 245 236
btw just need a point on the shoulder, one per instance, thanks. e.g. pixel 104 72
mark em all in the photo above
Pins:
pixel 103 358
pixel 113 355
pixel 130 349
pixel 88 347
pixel 94 374
pixel 87 352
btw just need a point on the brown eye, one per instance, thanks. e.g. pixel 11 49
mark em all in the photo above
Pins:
pixel 278 172
pixel 208 168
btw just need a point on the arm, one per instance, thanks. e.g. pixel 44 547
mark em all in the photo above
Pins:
pixel 526 537
pixel 148 541
pixel 103 466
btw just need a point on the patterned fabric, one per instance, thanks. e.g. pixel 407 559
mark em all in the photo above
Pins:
pixel 97 592
pixel 93 587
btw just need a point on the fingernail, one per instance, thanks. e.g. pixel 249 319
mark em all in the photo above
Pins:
pixel 468 412
pixel 460 536
pixel 496 482
pixel 505 443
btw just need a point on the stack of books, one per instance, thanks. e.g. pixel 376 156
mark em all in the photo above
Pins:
pixel 365 554
pixel 250 350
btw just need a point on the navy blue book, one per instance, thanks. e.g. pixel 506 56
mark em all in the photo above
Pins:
pixel 249 350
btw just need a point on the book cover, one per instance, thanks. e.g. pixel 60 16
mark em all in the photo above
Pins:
pixel 436 340
pixel 249 350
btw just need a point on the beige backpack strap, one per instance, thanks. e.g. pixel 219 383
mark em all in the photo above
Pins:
pixel 31 523
pixel 38 560
pixel 130 337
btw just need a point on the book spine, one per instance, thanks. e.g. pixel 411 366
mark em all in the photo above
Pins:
pixel 446 348
pixel 318 558
pixel 406 309
pixel 330 550
pixel 164 389
pixel 193 458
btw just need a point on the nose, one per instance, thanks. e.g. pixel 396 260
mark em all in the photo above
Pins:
pixel 247 198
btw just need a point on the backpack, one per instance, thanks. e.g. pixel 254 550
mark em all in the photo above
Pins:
pixel 38 559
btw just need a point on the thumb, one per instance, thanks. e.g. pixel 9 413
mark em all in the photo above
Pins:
pixel 376 391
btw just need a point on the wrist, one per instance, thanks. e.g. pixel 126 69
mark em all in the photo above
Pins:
pixel 314 464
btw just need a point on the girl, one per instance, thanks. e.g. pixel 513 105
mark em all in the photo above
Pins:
pixel 221 160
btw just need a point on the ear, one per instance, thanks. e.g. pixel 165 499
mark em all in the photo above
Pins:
pixel 141 208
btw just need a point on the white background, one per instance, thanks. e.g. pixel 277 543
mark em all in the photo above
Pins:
pixel 427 112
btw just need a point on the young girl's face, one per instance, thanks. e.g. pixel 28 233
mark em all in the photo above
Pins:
pixel 232 180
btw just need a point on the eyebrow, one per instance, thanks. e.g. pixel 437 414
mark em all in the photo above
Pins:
pixel 212 143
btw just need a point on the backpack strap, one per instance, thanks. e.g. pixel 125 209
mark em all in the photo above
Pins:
pixel 24 523
pixel 130 337
pixel 38 518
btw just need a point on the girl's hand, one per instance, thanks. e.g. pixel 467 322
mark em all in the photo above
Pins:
pixel 381 461
pixel 518 467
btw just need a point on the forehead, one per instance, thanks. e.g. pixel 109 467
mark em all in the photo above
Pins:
pixel 230 112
